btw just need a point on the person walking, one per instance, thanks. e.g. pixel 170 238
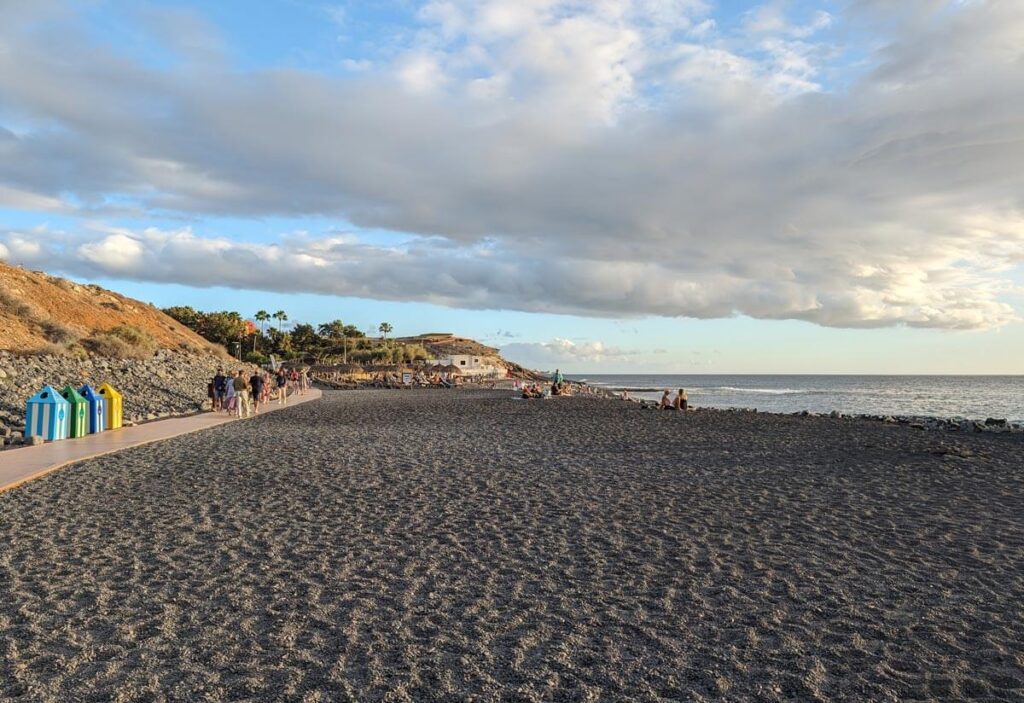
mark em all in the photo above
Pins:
pixel 220 390
pixel 267 385
pixel 241 384
pixel 256 386
pixel 282 387
pixel 230 399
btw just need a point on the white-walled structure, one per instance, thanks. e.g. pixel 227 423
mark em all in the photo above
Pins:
pixel 472 365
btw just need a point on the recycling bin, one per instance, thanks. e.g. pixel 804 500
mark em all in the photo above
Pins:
pixel 78 418
pixel 97 409
pixel 47 415
pixel 114 406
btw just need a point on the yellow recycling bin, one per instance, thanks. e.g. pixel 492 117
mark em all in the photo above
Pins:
pixel 114 404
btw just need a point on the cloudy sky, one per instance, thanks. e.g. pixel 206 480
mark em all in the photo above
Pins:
pixel 606 185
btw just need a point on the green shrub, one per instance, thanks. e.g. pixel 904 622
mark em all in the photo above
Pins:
pixel 76 351
pixel 121 342
pixel 10 304
pixel 106 344
pixel 52 349
pixel 57 333
pixel 255 358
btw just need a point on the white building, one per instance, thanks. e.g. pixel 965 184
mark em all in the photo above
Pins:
pixel 471 365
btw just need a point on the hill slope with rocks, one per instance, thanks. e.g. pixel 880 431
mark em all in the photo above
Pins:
pixel 38 311
pixel 58 332
pixel 443 344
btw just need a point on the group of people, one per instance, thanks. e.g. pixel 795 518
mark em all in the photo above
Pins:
pixel 241 394
pixel 532 391
pixel 680 403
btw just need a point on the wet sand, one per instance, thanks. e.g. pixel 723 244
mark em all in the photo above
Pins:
pixel 461 545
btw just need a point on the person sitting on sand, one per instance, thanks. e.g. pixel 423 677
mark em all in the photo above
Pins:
pixel 666 402
pixel 556 389
pixel 682 401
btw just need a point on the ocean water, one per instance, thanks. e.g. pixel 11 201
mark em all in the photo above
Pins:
pixel 974 397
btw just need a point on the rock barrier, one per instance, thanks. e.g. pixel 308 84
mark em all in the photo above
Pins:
pixel 168 384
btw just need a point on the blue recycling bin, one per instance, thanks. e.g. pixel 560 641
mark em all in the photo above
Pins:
pixel 47 415
pixel 97 409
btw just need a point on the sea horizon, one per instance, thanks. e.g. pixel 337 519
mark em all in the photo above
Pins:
pixel 972 396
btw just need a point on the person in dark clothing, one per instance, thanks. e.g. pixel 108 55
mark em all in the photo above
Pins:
pixel 220 390
pixel 282 387
pixel 256 384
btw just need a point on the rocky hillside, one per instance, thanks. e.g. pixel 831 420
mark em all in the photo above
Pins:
pixel 442 344
pixel 41 313
pixel 57 332
pixel 167 384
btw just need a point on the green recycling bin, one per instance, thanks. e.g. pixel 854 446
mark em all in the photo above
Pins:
pixel 78 420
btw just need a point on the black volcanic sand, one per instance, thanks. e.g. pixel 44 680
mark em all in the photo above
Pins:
pixel 432 545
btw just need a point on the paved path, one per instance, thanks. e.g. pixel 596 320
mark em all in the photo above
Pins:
pixel 24 464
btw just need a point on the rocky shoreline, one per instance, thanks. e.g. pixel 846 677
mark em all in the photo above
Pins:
pixel 169 384
pixel 917 422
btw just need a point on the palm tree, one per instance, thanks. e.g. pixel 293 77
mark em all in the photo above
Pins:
pixel 281 316
pixel 261 317
pixel 385 329
pixel 332 330
pixel 336 330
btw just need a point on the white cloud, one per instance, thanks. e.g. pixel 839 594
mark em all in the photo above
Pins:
pixel 563 351
pixel 421 72
pixel 116 253
pixel 560 184
pixel 947 290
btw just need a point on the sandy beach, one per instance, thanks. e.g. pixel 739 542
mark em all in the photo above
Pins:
pixel 462 545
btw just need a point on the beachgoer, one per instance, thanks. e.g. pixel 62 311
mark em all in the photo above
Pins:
pixel 241 384
pixel 625 395
pixel 666 402
pixel 282 387
pixel 556 389
pixel 256 384
pixel 558 377
pixel 220 390
pixel 230 399
pixel 682 401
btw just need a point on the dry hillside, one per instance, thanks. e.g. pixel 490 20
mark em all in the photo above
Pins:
pixel 36 307
pixel 442 344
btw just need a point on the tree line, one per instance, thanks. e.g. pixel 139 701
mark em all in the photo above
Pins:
pixel 330 342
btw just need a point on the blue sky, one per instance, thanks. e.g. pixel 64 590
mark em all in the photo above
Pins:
pixel 827 186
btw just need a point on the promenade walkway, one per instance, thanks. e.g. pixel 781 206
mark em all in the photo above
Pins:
pixel 18 466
